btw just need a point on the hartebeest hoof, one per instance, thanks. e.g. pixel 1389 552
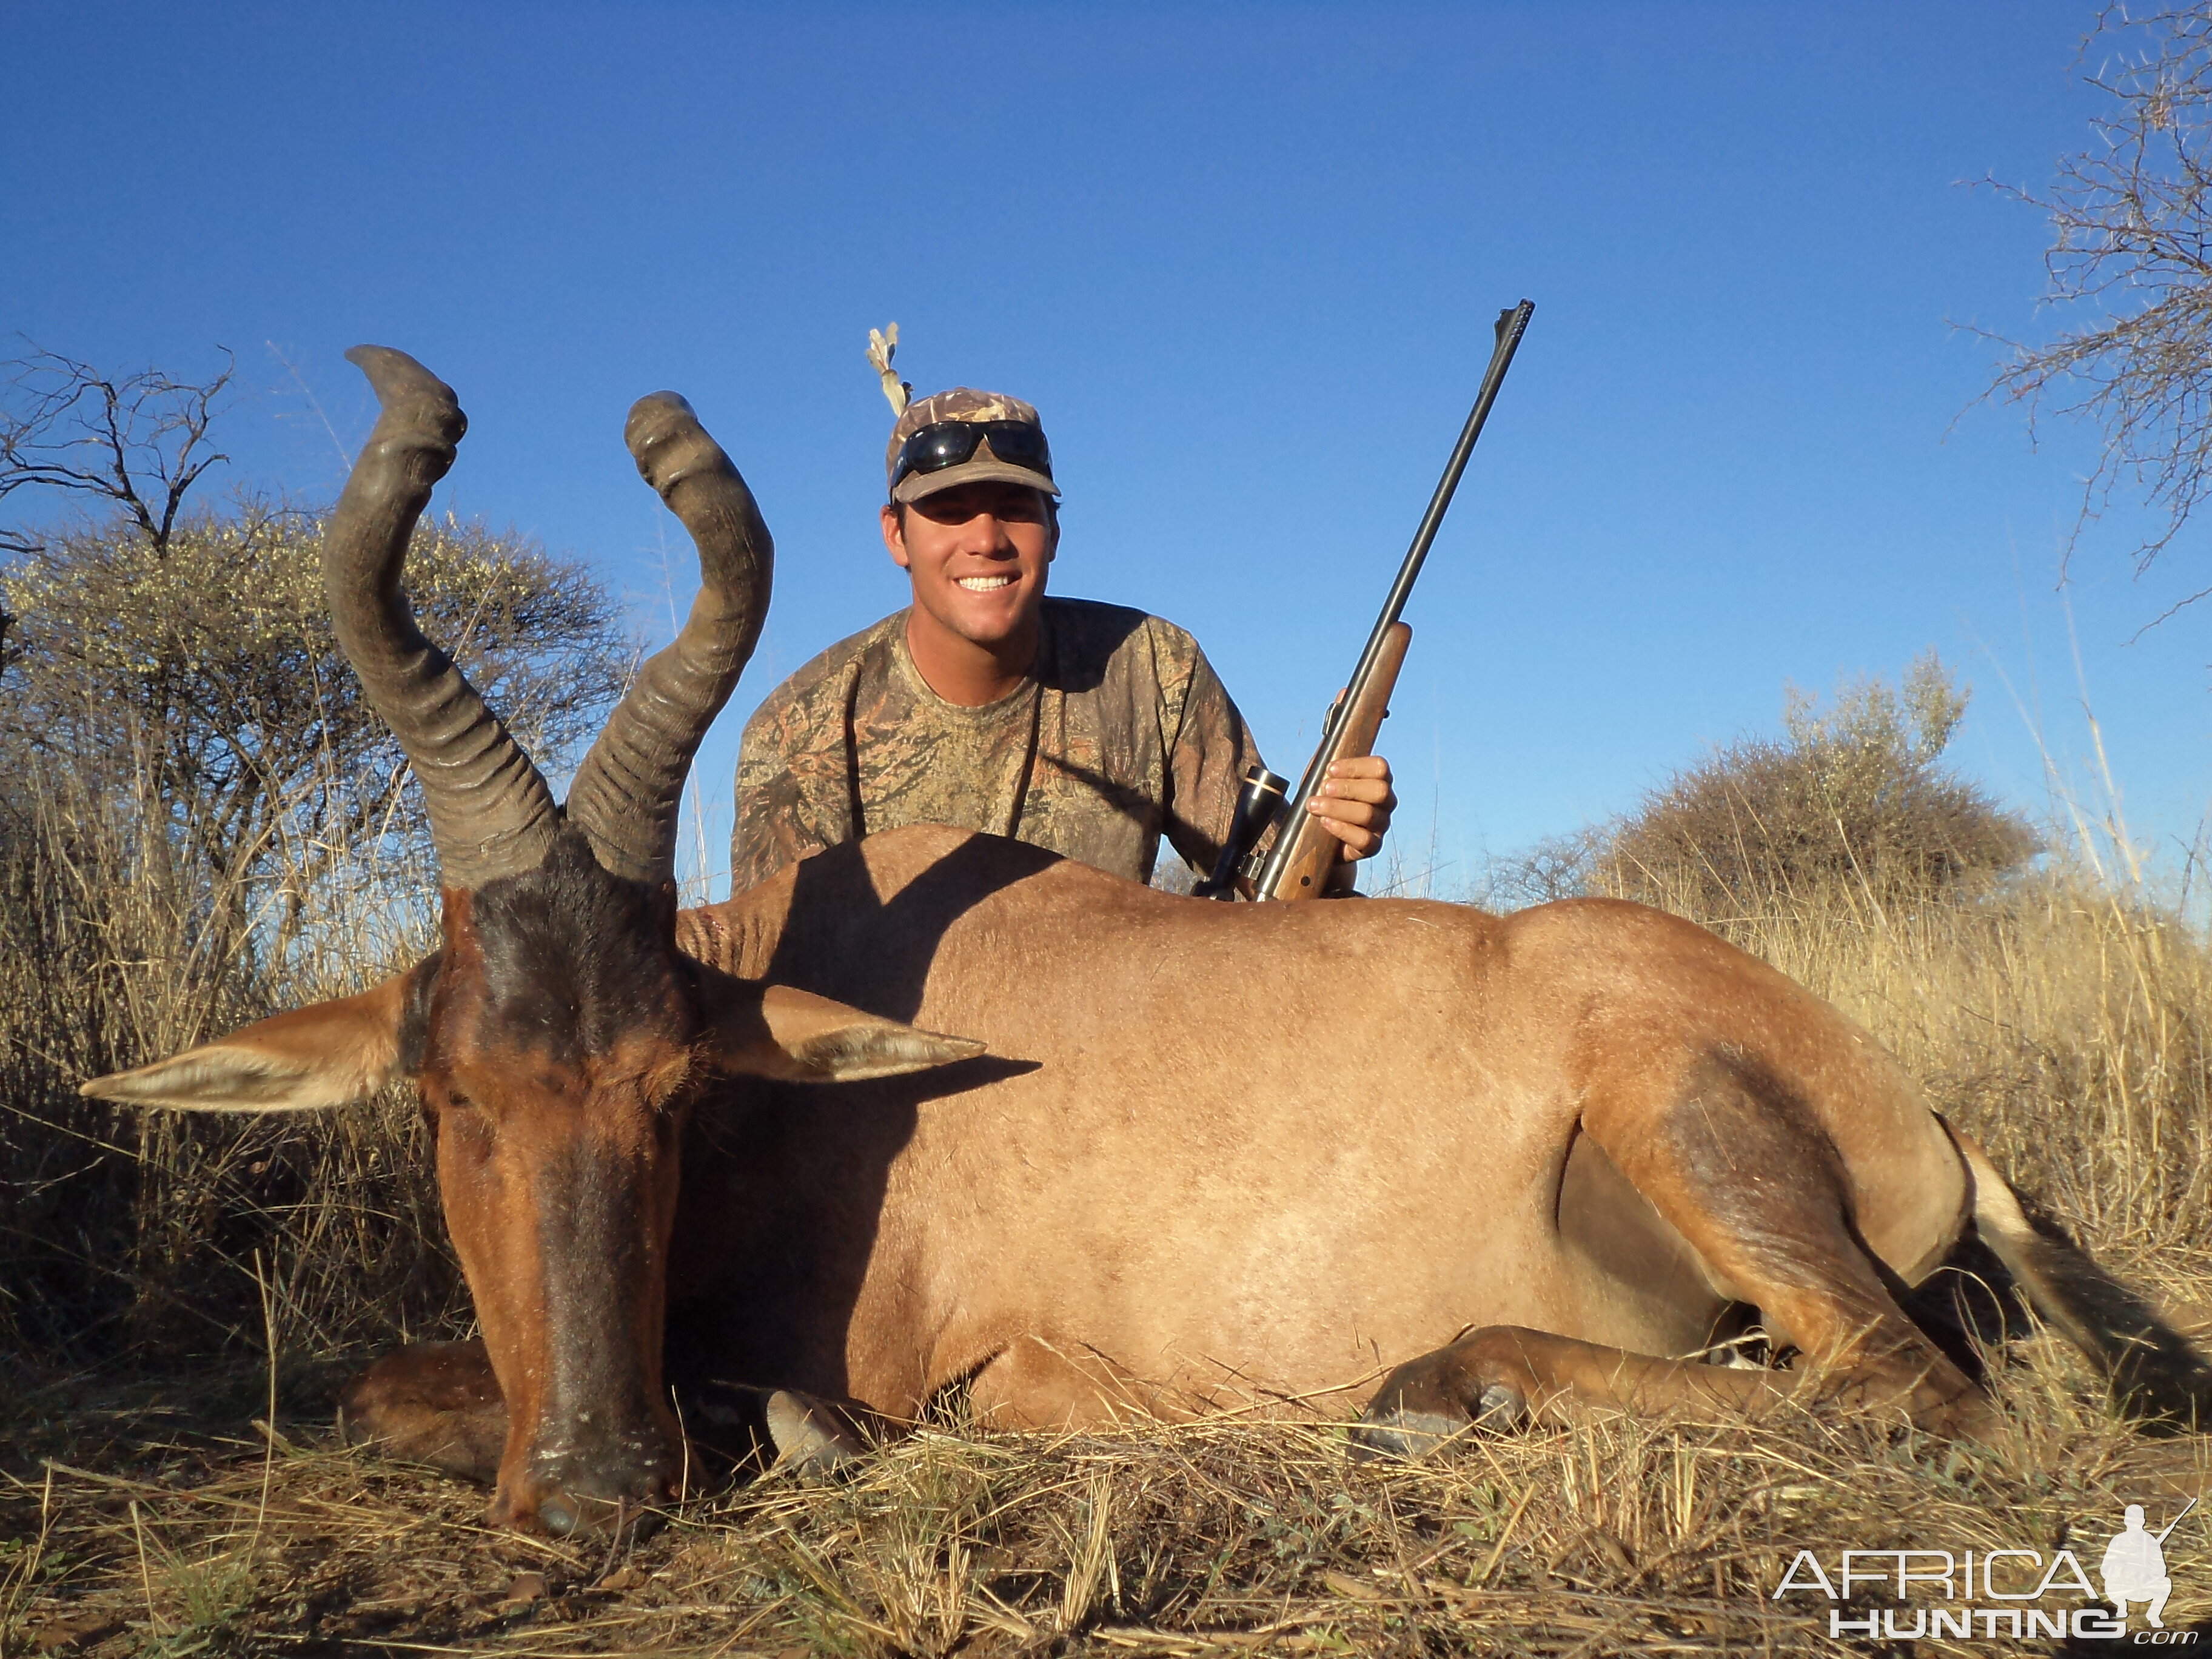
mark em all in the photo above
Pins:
pixel 1402 1435
pixel 435 1403
pixel 813 1436
pixel 1396 1432
pixel 1482 1381
pixel 1423 1405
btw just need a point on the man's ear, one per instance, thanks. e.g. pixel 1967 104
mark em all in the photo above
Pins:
pixel 773 1031
pixel 324 1055
pixel 895 535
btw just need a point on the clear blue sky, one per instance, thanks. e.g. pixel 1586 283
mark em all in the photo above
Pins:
pixel 1244 258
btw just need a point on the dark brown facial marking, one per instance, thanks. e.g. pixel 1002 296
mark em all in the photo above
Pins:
pixel 574 961
pixel 559 1059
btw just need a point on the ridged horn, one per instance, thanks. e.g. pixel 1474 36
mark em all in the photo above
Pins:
pixel 491 815
pixel 628 792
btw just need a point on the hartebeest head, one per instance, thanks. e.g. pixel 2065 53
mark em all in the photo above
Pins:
pixel 558 1036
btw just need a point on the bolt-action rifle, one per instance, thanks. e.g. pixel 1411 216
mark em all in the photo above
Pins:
pixel 1300 863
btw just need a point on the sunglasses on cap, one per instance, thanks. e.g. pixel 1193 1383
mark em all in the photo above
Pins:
pixel 954 443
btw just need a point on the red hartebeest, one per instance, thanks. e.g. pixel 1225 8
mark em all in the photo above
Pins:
pixel 1181 1154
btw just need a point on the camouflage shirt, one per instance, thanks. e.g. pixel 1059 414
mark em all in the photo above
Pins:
pixel 1121 735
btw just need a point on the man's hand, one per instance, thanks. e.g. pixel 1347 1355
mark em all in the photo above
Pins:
pixel 1354 803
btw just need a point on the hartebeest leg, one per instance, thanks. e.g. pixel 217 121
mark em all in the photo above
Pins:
pixel 435 1403
pixel 1760 1194
pixel 439 1403
pixel 1503 1375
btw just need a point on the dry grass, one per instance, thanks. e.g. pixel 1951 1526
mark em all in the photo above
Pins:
pixel 1611 1536
pixel 143 1238
pixel 2065 1024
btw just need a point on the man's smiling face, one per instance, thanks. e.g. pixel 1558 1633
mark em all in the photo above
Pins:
pixel 977 554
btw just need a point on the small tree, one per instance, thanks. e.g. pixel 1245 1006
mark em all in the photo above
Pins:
pixel 199 677
pixel 1852 797
pixel 186 660
pixel 133 444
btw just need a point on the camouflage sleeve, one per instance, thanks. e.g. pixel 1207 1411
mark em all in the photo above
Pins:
pixel 766 834
pixel 1206 767
pixel 793 773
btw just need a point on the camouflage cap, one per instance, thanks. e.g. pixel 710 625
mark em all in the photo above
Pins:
pixel 962 404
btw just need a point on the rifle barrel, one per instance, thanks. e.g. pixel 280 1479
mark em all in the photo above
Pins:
pixel 1511 325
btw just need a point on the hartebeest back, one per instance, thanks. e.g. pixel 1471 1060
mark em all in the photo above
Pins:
pixel 1597 1134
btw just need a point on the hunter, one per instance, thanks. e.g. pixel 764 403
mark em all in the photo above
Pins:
pixel 1090 729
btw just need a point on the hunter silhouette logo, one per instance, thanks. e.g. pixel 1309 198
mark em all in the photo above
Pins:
pixel 1997 1594
pixel 2134 1568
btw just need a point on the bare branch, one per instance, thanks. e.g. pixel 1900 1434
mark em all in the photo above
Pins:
pixel 139 443
pixel 2131 219
pixel 2178 606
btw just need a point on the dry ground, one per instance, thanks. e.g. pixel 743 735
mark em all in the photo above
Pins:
pixel 134 1528
pixel 2071 1029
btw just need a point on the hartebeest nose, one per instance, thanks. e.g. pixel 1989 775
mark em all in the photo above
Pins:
pixel 575 1496
pixel 568 1517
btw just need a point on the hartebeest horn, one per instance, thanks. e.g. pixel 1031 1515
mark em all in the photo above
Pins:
pixel 491 815
pixel 628 790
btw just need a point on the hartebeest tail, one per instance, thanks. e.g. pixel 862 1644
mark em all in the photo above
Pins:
pixel 2153 1369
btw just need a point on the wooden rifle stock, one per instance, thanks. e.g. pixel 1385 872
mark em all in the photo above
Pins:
pixel 1311 865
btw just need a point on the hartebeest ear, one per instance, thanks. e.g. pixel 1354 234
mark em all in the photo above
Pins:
pixel 324 1055
pixel 773 1031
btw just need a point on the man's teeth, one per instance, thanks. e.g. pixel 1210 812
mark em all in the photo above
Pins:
pixel 985 584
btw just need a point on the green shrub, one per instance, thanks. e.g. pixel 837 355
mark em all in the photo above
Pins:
pixel 1853 798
